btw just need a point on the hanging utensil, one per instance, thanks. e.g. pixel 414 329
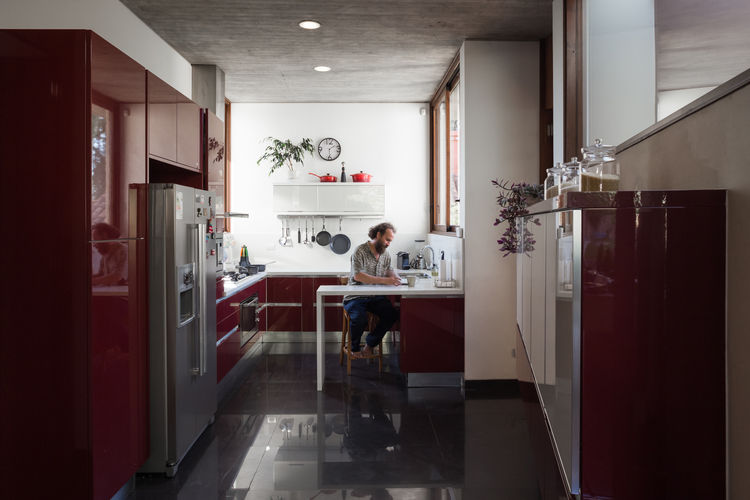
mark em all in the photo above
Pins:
pixel 340 244
pixel 282 240
pixel 308 243
pixel 313 230
pixel 299 231
pixel 289 241
pixel 324 237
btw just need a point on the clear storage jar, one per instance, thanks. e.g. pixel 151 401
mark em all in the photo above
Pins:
pixel 600 170
pixel 570 174
pixel 553 181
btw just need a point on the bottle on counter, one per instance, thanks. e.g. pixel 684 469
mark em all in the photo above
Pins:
pixel 244 261
pixel 343 172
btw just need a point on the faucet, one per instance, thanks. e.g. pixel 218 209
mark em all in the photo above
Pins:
pixel 432 256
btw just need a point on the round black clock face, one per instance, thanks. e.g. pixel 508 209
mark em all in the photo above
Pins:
pixel 329 149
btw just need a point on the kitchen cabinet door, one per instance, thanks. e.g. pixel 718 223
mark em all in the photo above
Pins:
pixel 174 130
pixel 281 318
pixel 162 130
pixel 333 305
pixel 432 335
pixel 228 353
pixel 284 289
pixel 215 158
pixel 189 135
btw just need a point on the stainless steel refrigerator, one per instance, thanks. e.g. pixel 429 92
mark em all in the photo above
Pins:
pixel 182 322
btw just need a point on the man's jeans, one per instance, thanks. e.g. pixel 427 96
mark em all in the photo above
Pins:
pixel 358 309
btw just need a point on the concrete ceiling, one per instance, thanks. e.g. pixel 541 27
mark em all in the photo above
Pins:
pixel 380 51
pixel 700 43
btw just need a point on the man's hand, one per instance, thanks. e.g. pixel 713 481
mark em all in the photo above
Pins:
pixel 391 280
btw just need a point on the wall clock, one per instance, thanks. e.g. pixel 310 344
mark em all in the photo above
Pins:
pixel 329 149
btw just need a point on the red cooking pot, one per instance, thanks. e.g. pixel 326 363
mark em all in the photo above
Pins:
pixel 361 177
pixel 325 178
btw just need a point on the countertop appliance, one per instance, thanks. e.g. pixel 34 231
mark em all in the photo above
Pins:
pixel 402 260
pixel 182 322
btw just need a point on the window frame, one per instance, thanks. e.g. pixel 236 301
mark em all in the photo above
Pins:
pixel 443 92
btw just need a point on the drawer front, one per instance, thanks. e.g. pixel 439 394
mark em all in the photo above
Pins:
pixel 283 318
pixel 225 326
pixel 284 289
pixel 227 355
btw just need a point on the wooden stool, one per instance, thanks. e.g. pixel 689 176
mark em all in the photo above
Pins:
pixel 346 343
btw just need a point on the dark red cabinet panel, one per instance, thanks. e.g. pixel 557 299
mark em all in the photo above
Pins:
pixel 83 405
pixel 284 289
pixel 284 318
pixel 432 335
pixel 228 353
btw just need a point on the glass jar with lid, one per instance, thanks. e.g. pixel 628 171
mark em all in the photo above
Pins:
pixel 553 181
pixel 569 181
pixel 600 170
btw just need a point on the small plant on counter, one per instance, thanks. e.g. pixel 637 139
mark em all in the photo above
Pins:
pixel 285 153
pixel 513 200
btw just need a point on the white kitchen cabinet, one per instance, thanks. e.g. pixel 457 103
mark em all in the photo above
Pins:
pixel 347 199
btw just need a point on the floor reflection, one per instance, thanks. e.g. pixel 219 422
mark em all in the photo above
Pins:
pixel 366 436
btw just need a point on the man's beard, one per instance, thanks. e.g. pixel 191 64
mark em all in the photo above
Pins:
pixel 379 246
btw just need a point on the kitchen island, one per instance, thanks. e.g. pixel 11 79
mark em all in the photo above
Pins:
pixel 424 288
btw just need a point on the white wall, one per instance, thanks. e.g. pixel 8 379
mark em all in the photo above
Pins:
pixel 112 21
pixel 500 139
pixel 619 69
pixel 389 141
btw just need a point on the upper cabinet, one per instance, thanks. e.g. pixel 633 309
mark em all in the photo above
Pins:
pixel 347 199
pixel 215 158
pixel 174 126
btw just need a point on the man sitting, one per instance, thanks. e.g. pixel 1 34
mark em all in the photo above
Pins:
pixel 371 265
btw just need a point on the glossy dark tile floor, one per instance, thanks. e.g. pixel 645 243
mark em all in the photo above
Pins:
pixel 366 436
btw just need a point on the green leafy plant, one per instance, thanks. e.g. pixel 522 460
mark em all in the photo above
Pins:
pixel 285 153
pixel 513 200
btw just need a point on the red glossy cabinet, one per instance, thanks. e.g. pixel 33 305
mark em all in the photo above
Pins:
pixel 229 349
pixel 74 386
pixel 332 304
pixel 284 311
pixel 622 320
pixel 432 335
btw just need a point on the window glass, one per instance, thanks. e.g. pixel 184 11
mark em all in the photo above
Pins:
pixel 440 165
pixel 455 137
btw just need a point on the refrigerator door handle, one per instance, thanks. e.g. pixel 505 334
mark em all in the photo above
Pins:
pixel 201 258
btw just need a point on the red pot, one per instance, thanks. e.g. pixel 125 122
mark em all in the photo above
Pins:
pixel 325 178
pixel 361 177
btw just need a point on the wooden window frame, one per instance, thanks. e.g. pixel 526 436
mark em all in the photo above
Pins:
pixel 443 91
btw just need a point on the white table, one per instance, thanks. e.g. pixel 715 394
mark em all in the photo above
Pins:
pixel 423 288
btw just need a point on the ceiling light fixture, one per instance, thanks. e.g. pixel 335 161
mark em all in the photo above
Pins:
pixel 309 25
pixel 322 69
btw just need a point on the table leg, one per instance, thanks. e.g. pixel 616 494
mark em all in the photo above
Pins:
pixel 320 319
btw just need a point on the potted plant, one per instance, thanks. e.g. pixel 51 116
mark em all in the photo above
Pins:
pixel 285 154
pixel 513 200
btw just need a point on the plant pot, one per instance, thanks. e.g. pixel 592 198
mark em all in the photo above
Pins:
pixel 292 175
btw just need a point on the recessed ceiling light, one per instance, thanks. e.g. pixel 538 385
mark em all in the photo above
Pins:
pixel 322 69
pixel 309 25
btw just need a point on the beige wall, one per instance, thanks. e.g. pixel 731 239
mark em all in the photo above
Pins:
pixel 500 139
pixel 711 149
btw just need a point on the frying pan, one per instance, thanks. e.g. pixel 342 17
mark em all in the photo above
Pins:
pixel 325 178
pixel 323 237
pixel 340 244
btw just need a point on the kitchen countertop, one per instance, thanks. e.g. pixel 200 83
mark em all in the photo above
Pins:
pixel 424 286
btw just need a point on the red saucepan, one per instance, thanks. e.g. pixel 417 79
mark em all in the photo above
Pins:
pixel 325 178
pixel 361 177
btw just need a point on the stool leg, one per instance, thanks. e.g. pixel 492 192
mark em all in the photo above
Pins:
pixel 344 334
